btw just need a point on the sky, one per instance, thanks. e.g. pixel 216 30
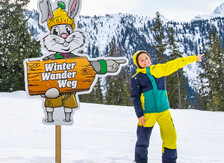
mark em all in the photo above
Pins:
pixel 177 10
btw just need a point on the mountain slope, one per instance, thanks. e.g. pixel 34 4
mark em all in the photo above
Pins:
pixel 217 13
pixel 131 33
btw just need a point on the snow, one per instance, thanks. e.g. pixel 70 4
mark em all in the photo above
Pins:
pixel 101 134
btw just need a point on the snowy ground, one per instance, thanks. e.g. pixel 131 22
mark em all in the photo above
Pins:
pixel 101 134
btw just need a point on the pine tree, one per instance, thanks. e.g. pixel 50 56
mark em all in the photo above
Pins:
pixel 16 44
pixel 175 81
pixel 114 91
pixel 205 92
pixel 118 86
pixel 213 74
pixel 118 89
pixel 158 33
pixel 95 96
pixel 98 92
pixel 217 71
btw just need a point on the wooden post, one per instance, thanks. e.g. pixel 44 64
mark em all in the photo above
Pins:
pixel 57 144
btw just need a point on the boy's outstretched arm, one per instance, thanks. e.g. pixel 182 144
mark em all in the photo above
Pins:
pixel 172 66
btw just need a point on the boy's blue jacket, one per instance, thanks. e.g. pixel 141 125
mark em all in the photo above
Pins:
pixel 148 85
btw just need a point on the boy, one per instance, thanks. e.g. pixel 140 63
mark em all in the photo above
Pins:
pixel 149 96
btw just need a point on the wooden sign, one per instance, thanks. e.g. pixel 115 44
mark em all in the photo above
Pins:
pixel 59 82
pixel 67 75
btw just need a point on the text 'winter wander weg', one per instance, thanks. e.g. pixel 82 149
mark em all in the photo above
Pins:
pixel 61 77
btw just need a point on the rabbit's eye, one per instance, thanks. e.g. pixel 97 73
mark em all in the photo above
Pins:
pixel 68 30
pixel 56 31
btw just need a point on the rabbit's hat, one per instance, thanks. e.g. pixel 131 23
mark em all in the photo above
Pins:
pixel 60 16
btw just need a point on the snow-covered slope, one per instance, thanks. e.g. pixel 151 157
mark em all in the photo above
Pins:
pixel 101 134
pixel 217 13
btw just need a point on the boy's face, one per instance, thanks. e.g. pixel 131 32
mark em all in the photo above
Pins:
pixel 144 60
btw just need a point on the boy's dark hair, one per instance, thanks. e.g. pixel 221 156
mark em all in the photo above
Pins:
pixel 140 52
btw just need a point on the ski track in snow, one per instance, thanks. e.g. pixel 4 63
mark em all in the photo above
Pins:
pixel 101 134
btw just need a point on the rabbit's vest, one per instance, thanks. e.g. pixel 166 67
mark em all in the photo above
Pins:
pixel 62 56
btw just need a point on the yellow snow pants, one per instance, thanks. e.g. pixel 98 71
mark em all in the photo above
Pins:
pixel 167 129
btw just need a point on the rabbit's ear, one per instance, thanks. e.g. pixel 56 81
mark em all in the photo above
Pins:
pixel 46 10
pixel 74 7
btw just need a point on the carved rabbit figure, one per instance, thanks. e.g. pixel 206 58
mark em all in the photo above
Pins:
pixel 64 41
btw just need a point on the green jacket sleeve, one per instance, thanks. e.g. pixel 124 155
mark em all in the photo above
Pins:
pixel 170 67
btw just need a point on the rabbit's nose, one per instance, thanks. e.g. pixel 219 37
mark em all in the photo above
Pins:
pixel 64 35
